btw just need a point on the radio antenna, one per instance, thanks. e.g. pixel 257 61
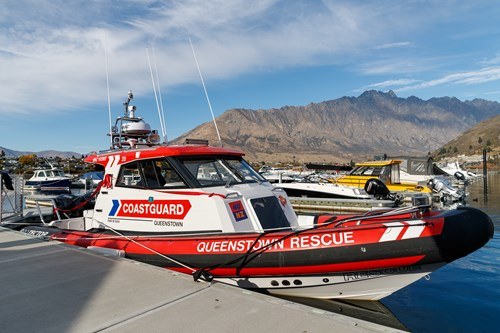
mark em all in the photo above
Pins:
pixel 107 89
pixel 206 94
pixel 165 139
pixel 156 96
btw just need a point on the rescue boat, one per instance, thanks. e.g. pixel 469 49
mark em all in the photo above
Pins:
pixel 204 211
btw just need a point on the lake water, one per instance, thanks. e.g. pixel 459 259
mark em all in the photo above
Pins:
pixel 463 296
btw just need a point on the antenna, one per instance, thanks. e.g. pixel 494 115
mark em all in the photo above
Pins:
pixel 156 96
pixel 206 94
pixel 165 139
pixel 107 88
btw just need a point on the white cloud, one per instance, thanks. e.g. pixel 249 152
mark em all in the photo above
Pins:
pixel 467 78
pixel 389 84
pixel 393 45
pixel 55 50
pixel 52 51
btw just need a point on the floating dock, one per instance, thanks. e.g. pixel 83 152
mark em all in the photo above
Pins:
pixel 53 287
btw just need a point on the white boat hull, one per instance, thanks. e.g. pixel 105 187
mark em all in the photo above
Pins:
pixel 323 190
pixel 366 285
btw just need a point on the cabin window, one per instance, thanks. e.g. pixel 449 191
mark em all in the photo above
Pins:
pixel 417 167
pixel 359 171
pixel 219 171
pixel 244 170
pixel 150 174
pixel 209 172
pixel 269 212
pixel 41 174
pixel 129 175
pixel 384 174
pixel 152 177
pixel 395 174
pixel 160 174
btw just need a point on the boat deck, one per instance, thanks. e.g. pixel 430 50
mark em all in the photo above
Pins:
pixel 53 287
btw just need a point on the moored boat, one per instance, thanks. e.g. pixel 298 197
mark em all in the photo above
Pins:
pixel 388 171
pixel 93 178
pixel 323 189
pixel 51 179
pixel 455 169
pixel 204 211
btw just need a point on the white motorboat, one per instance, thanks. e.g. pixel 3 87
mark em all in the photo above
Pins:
pixel 454 169
pixel 94 177
pixel 51 179
pixel 322 190
pixel 281 175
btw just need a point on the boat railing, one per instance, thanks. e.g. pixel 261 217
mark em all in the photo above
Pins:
pixel 382 213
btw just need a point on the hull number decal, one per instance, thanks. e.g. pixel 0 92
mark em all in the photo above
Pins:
pixel 158 209
pixel 381 272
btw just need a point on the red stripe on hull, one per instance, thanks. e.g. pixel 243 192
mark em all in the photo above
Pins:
pixel 240 244
pixel 312 270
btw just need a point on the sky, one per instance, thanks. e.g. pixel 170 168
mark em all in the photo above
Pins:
pixel 58 58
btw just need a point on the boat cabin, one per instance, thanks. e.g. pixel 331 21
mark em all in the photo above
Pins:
pixel 387 171
pixel 47 173
pixel 192 188
pixel 152 187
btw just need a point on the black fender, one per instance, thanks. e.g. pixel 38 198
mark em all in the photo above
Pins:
pixel 7 181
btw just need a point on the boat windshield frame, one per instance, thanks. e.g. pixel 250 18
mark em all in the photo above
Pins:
pixel 383 172
pixel 185 171
pixel 218 170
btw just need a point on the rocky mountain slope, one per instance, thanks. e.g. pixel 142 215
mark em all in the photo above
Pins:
pixel 374 123
pixel 485 135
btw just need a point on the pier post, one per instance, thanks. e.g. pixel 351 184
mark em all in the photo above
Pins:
pixel 485 176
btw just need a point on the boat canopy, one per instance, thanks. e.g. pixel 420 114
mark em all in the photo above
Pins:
pixel 379 163
pixel 128 155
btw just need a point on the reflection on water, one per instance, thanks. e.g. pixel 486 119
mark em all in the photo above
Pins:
pixel 461 297
pixel 372 311
pixel 490 201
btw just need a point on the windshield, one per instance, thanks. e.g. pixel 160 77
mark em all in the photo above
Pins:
pixel 220 170
pixel 367 171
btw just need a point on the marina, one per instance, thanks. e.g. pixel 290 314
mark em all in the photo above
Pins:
pixel 302 249
pixel 52 287
pixel 204 211
pixel 343 174
pixel 417 308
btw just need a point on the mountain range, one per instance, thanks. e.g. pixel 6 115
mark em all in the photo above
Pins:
pixel 42 154
pixel 348 128
pixel 344 129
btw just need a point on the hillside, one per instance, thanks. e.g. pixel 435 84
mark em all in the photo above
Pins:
pixel 485 135
pixel 374 123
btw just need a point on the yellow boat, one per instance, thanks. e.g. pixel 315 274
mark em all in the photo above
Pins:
pixel 387 171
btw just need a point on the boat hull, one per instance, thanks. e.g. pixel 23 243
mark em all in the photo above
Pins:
pixel 360 285
pixel 48 185
pixel 319 190
pixel 368 258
